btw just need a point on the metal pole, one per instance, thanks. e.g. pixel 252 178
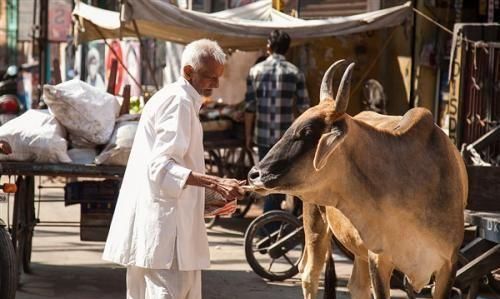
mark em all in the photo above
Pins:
pixel 42 43
pixel 411 101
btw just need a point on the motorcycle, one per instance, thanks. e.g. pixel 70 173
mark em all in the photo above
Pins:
pixel 8 260
pixel 10 105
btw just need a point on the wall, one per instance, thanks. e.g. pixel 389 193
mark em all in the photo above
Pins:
pixel 232 84
pixel 363 49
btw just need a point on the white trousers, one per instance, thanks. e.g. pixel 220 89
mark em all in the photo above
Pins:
pixel 171 283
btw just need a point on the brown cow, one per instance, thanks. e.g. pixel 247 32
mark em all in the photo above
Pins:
pixel 405 204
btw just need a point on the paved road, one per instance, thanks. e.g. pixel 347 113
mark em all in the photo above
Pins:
pixel 65 267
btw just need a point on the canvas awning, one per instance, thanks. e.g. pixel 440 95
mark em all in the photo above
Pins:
pixel 244 28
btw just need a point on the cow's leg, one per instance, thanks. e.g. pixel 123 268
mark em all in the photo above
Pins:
pixel 444 281
pixel 317 240
pixel 380 274
pixel 359 283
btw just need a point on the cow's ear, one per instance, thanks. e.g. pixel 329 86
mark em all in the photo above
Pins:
pixel 328 143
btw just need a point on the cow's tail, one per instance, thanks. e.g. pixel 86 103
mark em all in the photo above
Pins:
pixel 330 279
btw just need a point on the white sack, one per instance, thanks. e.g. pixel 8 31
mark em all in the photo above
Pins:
pixel 35 136
pixel 83 110
pixel 118 149
pixel 80 142
pixel 82 155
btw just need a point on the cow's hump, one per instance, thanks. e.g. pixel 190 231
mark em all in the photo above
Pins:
pixel 415 119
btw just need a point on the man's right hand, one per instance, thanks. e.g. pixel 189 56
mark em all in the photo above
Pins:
pixel 230 189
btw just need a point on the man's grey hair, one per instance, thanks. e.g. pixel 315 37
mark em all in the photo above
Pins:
pixel 201 49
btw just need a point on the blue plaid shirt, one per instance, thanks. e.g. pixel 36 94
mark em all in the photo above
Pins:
pixel 276 93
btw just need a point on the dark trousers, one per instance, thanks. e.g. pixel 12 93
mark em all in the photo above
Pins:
pixel 272 201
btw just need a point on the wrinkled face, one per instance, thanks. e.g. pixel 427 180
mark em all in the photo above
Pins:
pixel 206 78
pixel 291 161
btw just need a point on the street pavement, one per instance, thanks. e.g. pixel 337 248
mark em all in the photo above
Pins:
pixel 65 267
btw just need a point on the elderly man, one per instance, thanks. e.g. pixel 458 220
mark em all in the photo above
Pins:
pixel 158 230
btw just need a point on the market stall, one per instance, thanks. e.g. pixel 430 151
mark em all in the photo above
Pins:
pixel 244 28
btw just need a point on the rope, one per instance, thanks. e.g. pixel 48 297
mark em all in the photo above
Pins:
pixel 476 44
pixel 365 74
pixel 432 20
pixel 118 58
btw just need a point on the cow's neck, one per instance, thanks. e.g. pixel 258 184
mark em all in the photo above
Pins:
pixel 357 172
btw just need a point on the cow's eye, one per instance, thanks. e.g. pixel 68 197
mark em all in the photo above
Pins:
pixel 305 132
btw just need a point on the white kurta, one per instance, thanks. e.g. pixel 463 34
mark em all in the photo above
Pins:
pixel 155 207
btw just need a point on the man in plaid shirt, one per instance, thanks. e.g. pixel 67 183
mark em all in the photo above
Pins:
pixel 276 94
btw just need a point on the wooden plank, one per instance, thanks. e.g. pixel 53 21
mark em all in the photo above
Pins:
pixel 112 76
pixel 57 71
pixel 484 188
pixel 488 224
pixel 475 248
pixel 125 109
pixel 222 143
pixel 62 170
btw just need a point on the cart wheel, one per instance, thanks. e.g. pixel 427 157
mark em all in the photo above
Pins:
pixel 8 266
pixel 237 162
pixel 259 238
pixel 213 163
pixel 213 166
pixel 23 222
pixel 210 221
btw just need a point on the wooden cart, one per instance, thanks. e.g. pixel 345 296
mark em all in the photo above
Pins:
pixel 224 157
pixel 24 219
pixel 479 259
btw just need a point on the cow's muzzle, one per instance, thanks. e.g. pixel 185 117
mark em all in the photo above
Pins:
pixel 254 177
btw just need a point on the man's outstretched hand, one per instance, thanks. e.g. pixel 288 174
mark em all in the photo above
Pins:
pixel 230 189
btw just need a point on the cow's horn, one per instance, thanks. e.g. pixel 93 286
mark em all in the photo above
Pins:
pixel 342 98
pixel 326 89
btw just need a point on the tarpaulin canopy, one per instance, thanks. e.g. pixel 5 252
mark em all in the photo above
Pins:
pixel 244 28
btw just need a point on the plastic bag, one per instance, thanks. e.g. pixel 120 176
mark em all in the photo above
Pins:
pixel 35 136
pixel 82 155
pixel 117 151
pixel 84 110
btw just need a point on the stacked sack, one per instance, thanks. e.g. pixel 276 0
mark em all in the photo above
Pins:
pixel 80 117
pixel 35 136
pixel 87 113
pixel 117 151
pixel 91 118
